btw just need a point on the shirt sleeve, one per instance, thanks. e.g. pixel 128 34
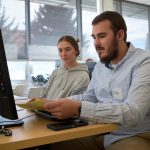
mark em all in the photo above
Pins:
pixel 128 113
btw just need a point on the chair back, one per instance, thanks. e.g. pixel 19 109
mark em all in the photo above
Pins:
pixel 22 90
pixel 34 92
pixel 91 66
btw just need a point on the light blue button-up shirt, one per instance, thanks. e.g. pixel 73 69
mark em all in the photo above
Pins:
pixel 131 110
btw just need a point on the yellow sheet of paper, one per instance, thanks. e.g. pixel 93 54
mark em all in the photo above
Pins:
pixel 34 105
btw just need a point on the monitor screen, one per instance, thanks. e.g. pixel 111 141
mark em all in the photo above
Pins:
pixel 7 103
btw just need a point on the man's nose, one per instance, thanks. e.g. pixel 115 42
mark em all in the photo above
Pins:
pixel 96 42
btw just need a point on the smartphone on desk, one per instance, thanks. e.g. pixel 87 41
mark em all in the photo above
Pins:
pixel 67 125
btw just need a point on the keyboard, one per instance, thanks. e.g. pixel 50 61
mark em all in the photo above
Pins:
pixel 49 116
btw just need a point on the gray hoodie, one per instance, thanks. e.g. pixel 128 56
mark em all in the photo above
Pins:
pixel 63 83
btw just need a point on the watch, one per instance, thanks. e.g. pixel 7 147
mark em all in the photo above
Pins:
pixel 79 110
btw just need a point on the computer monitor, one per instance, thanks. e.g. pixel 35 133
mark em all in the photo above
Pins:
pixel 7 103
pixel 91 66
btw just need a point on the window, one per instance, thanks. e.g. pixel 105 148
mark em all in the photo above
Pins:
pixel 17 70
pixel 137 23
pixel 89 12
pixel 13 28
pixel 42 67
pixel 49 22
pixel 136 18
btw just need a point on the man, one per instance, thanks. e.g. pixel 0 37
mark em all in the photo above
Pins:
pixel 89 60
pixel 119 91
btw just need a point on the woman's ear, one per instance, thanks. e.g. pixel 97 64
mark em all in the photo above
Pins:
pixel 77 52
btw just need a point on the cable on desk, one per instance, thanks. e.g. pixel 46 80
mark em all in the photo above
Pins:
pixel 27 117
pixel 21 109
pixel 18 119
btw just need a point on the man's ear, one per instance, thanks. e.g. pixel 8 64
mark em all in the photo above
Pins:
pixel 120 35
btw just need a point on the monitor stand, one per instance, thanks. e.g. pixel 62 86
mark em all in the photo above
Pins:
pixel 10 123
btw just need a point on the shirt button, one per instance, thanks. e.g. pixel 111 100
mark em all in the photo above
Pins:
pixel 110 97
pixel 113 71
pixel 107 84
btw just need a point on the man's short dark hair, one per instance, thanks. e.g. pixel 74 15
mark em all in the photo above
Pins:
pixel 117 22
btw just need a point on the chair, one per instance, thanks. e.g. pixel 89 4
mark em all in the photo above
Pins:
pixel 21 90
pixel 34 92
pixel 91 66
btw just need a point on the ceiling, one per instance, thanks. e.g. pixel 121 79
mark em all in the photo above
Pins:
pixel 145 2
pixel 86 4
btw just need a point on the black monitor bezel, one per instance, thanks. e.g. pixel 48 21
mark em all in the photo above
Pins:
pixel 7 102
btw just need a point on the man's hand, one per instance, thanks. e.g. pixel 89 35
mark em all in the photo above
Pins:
pixel 43 99
pixel 63 108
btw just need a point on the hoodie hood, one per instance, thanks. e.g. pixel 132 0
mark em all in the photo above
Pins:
pixel 80 67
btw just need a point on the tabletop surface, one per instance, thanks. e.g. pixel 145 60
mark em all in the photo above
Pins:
pixel 34 132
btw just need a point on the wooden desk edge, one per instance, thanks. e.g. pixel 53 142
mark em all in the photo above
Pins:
pixel 60 136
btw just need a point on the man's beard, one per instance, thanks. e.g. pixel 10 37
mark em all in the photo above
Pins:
pixel 112 52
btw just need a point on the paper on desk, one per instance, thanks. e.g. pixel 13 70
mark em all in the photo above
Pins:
pixel 34 105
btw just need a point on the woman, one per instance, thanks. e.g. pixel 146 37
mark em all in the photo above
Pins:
pixel 71 78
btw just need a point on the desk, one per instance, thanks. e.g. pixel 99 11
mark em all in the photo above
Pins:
pixel 34 132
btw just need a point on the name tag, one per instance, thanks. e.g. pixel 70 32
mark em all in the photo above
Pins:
pixel 117 93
